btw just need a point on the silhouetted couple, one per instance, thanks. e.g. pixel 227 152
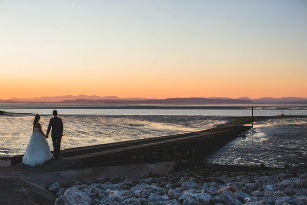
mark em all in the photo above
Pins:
pixel 38 150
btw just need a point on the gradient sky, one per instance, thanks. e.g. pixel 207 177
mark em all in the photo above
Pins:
pixel 157 48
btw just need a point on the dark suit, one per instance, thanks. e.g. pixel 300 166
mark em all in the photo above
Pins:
pixel 56 124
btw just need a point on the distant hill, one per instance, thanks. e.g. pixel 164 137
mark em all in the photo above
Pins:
pixel 85 99
pixel 60 98
pixel 286 100
pixel 181 101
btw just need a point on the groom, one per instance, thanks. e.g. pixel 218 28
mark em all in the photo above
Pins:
pixel 56 124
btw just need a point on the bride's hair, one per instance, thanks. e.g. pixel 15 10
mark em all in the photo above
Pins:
pixel 36 119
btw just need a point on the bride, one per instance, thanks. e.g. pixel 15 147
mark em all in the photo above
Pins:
pixel 38 150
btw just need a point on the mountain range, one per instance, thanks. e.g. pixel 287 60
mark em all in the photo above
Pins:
pixel 93 99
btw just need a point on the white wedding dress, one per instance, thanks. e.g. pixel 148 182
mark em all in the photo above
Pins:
pixel 38 150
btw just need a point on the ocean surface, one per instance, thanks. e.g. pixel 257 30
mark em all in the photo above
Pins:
pixel 274 142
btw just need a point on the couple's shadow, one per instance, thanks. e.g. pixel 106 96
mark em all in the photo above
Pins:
pixel 50 165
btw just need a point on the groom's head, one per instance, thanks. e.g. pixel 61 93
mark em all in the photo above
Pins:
pixel 55 113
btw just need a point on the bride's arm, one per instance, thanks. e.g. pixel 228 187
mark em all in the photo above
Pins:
pixel 40 129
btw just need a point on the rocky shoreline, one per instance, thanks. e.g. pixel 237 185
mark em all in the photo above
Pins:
pixel 216 185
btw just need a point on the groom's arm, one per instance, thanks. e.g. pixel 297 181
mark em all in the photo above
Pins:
pixel 49 127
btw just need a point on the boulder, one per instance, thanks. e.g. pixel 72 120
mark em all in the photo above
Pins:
pixel 268 187
pixel 195 199
pixel 173 194
pixel 211 188
pixel 133 201
pixel 257 193
pixel 154 198
pixel 54 187
pixel 98 193
pixel 250 187
pixel 302 198
pixel 188 185
pixel 286 183
pixel 73 196
pixel 242 196
pixel 230 198
pixel 170 202
pixel 217 199
pixel 282 200
pixel 60 191
pixel 229 188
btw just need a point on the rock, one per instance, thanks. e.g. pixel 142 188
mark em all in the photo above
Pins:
pixel 250 187
pixel 73 196
pixel 267 193
pixel 282 200
pixel 195 199
pixel 211 188
pixel 140 190
pixel 133 201
pixel 269 200
pixel 79 186
pixel 290 191
pixel 54 187
pixel 185 195
pixel 165 197
pixel 173 194
pixel 286 183
pixel 89 189
pixel 106 201
pixel 242 196
pixel 278 193
pixel 60 191
pixel 230 198
pixel 148 180
pixel 261 202
pixel 217 199
pixel 229 188
pixel 204 198
pixel 257 193
pixel 188 185
pixel 114 195
pixel 154 198
pixel 268 187
pixel 304 183
pixel 124 194
pixel 170 202
pixel 99 193
pixel 302 199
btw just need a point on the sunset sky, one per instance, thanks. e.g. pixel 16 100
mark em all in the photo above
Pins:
pixel 153 48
